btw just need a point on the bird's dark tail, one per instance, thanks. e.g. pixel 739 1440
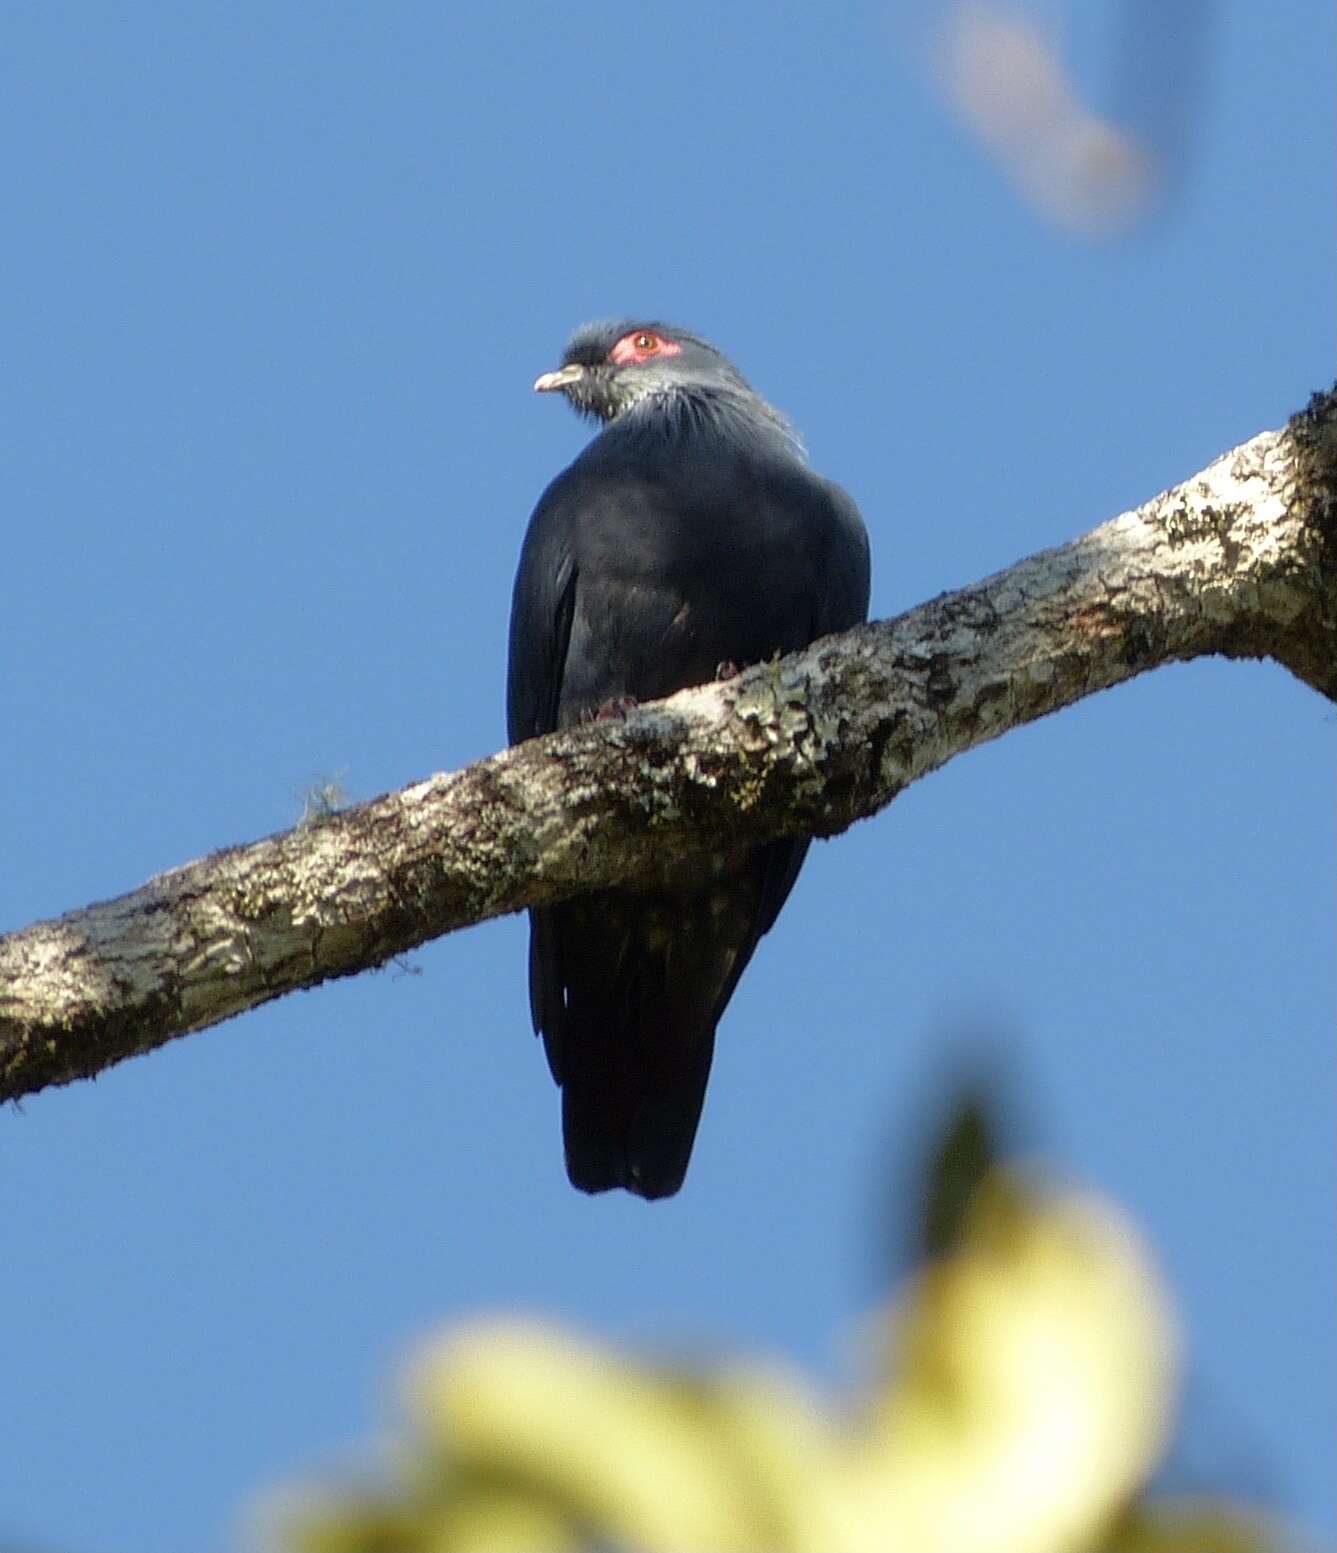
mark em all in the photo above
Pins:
pixel 635 1130
pixel 636 1056
pixel 632 1039
pixel 627 990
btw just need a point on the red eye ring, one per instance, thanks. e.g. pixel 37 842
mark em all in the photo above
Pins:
pixel 642 345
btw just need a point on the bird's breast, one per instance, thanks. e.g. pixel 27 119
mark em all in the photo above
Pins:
pixel 685 564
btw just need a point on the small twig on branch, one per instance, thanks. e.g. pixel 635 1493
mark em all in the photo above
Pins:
pixel 1241 560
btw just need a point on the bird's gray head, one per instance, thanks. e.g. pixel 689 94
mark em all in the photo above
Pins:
pixel 610 368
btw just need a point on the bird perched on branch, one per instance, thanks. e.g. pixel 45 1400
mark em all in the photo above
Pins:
pixel 689 540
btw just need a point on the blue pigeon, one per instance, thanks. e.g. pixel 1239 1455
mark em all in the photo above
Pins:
pixel 688 540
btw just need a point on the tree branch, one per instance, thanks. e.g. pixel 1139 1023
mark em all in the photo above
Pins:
pixel 1241 560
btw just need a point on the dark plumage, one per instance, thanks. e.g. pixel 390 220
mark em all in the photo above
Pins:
pixel 689 534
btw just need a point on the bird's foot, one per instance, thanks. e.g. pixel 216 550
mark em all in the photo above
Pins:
pixel 612 710
pixel 726 670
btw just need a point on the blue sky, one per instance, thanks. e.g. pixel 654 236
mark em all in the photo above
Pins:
pixel 278 281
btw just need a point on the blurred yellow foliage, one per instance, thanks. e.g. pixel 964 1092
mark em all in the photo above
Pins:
pixel 1024 1390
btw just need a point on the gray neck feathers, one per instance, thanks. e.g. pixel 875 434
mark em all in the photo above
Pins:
pixel 729 412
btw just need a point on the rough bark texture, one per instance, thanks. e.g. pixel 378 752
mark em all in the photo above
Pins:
pixel 1241 560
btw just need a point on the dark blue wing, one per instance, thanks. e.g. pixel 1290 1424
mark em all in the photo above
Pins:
pixel 542 606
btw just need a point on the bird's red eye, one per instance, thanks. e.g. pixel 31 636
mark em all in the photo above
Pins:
pixel 640 346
